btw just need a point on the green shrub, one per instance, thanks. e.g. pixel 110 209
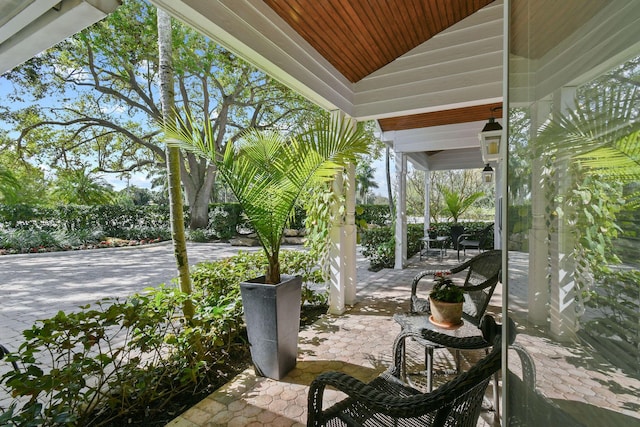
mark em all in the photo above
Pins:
pixel 224 218
pixel 116 361
pixel 373 214
pixel 378 245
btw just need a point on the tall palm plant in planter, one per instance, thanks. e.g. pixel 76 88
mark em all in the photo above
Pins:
pixel 268 172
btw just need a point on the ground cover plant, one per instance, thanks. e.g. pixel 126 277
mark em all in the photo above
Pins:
pixel 136 361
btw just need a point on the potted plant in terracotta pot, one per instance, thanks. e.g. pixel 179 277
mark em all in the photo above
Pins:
pixel 268 172
pixel 446 300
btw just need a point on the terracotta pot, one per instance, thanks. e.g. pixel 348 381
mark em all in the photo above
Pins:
pixel 446 314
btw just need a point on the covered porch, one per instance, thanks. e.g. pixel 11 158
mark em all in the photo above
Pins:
pixel 422 87
pixel 360 343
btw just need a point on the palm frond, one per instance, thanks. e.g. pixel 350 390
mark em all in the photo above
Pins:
pixel 601 134
pixel 268 172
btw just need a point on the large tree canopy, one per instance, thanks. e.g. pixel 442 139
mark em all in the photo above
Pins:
pixel 93 100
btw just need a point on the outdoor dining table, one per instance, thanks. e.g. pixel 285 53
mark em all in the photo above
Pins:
pixel 426 245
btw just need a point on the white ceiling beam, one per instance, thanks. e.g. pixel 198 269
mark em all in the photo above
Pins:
pixel 467 158
pixel 458 136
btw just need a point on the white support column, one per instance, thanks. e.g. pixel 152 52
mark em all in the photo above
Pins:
pixel 337 295
pixel 349 236
pixel 401 211
pixel 498 200
pixel 337 274
pixel 538 286
pixel 427 201
pixel 563 318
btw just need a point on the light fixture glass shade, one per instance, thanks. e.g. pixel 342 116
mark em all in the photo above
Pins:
pixel 490 141
pixel 487 174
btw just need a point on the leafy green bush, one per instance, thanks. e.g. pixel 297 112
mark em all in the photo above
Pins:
pixel 224 219
pixel 378 245
pixel 373 214
pixel 117 361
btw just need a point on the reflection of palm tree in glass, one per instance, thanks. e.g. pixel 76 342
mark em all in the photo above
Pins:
pixel 602 134
pixel 598 144
pixel 364 181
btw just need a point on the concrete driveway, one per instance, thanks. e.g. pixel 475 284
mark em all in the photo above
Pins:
pixel 37 286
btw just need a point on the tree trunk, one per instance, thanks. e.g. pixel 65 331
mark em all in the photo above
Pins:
pixel 273 269
pixel 389 191
pixel 167 95
pixel 199 211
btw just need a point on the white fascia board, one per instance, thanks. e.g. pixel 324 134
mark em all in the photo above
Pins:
pixel 607 40
pixel 240 26
pixel 435 138
pixel 468 158
pixel 51 28
pixel 26 16
pixel 420 161
pixel 443 93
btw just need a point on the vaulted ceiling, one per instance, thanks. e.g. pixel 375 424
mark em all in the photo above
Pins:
pixel 406 63
pixel 362 36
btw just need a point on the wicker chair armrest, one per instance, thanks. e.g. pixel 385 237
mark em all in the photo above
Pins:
pixel 464 236
pixel 480 286
pixel 371 397
pixel 422 274
pixel 445 340
pixel 394 404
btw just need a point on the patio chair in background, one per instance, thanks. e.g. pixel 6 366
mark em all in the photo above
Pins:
pixel 456 231
pixel 387 400
pixel 478 240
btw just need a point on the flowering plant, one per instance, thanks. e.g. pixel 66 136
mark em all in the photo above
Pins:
pixel 444 290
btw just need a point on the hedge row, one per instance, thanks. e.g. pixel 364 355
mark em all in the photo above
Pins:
pixel 117 221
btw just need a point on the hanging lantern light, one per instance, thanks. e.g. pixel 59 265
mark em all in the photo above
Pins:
pixel 487 174
pixel 490 138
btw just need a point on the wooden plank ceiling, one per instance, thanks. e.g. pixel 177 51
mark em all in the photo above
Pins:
pixel 441 118
pixel 359 37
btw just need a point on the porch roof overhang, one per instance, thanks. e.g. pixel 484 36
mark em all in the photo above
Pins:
pixel 28 27
pixel 403 61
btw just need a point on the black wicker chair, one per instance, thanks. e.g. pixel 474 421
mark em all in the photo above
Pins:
pixel 527 406
pixel 478 240
pixel 483 274
pixel 388 401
